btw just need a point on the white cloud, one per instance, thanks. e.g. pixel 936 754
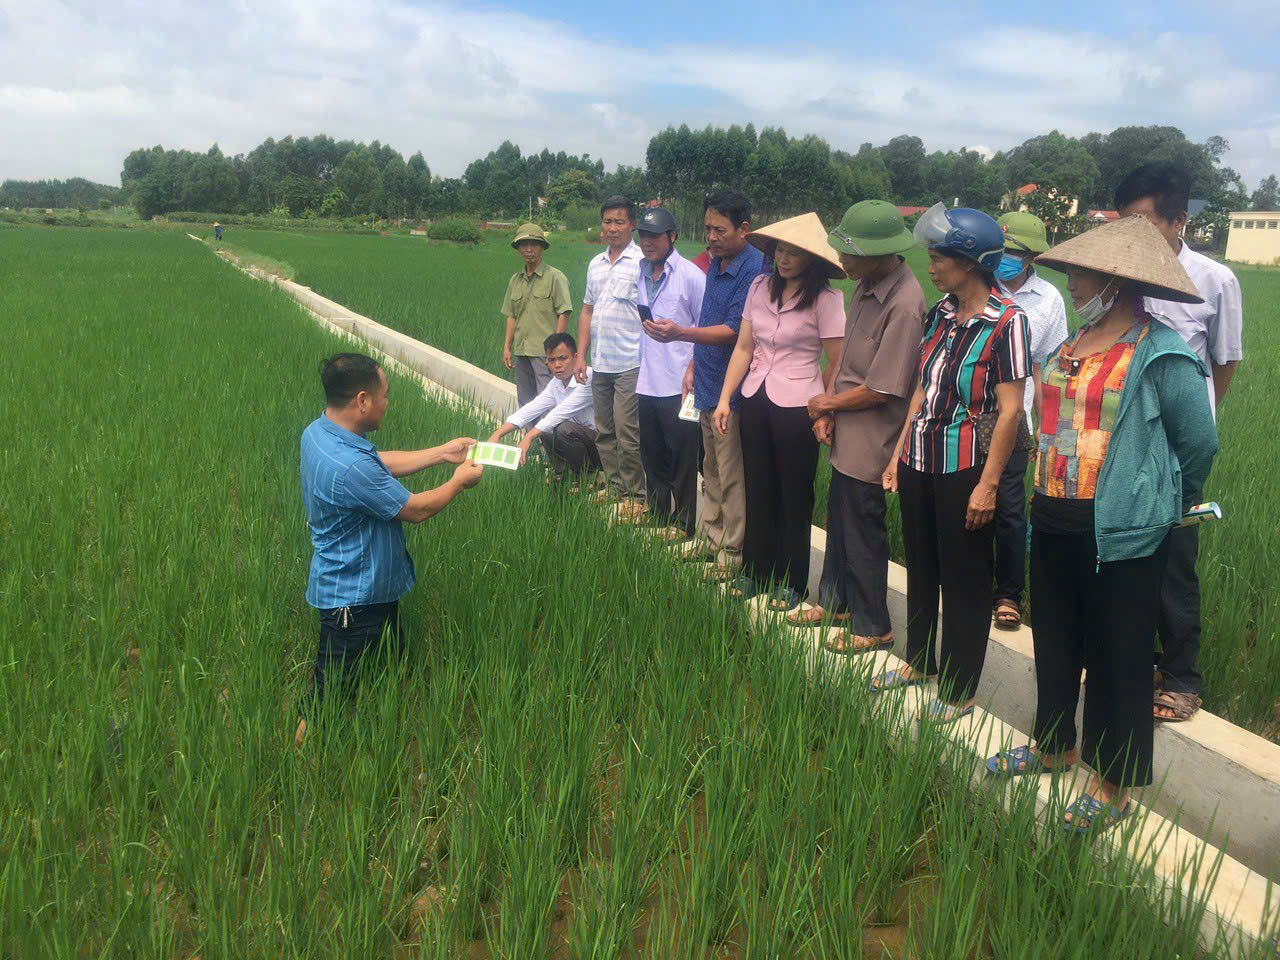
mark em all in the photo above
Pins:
pixel 84 85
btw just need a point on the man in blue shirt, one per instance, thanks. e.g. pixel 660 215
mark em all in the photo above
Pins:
pixel 360 567
pixel 734 264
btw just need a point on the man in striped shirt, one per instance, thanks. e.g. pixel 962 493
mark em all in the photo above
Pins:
pixel 360 567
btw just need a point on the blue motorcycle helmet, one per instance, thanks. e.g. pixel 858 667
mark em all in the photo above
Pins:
pixel 963 232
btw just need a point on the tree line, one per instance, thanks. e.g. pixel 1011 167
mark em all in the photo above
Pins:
pixel 76 193
pixel 322 177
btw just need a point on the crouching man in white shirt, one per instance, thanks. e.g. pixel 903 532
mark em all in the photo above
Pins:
pixel 562 416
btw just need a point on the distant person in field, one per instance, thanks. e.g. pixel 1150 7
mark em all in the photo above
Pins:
pixel 536 305
pixel 360 567
pixel 672 288
pixel 609 327
pixel 734 265
pixel 217 230
pixel 1214 331
pixel 1016 277
pixel 1126 439
pixel 791 319
pixel 859 415
pixel 562 416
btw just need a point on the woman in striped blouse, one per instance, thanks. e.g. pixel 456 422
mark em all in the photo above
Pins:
pixel 960 429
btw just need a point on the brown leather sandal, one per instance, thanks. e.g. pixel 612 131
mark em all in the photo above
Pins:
pixel 1007 615
pixel 1182 705
pixel 845 642
pixel 814 616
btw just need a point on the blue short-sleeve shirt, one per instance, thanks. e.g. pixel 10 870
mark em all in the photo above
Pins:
pixel 352 500
pixel 722 302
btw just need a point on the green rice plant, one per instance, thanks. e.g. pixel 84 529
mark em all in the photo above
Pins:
pixel 569 701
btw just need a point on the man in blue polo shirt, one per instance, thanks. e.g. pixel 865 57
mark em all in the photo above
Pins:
pixel 360 567
pixel 734 264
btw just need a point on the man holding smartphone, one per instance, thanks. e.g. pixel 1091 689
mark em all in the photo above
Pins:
pixel 670 301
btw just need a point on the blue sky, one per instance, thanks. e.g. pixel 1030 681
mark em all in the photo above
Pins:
pixel 454 79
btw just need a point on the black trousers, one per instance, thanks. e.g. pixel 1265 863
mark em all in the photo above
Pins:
pixel 669 450
pixel 1102 619
pixel 347 635
pixel 1179 622
pixel 779 463
pixel 855 572
pixel 942 554
pixel 572 448
pixel 1011 529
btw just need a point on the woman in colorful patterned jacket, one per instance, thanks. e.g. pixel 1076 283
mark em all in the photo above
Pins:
pixel 960 429
pixel 1126 433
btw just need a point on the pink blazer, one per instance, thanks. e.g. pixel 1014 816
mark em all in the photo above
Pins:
pixel 788 343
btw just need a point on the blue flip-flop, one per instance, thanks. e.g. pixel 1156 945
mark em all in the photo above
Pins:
pixel 936 710
pixel 1096 816
pixel 1020 761
pixel 893 680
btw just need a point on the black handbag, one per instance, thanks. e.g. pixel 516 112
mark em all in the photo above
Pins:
pixel 985 425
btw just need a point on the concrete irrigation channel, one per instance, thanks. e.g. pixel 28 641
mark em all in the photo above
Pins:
pixel 1218 785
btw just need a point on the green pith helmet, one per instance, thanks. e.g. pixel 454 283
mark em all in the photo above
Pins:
pixel 530 231
pixel 1023 232
pixel 871 228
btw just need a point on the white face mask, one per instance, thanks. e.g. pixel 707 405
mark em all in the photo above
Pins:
pixel 1096 308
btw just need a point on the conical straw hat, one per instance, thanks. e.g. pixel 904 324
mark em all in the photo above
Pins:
pixel 806 232
pixel 1132 249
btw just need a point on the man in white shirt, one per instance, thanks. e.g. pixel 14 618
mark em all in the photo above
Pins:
pixel 1214 330
pixel 1024 237
pixel 671 288
pixel 561 416
pixel 609 327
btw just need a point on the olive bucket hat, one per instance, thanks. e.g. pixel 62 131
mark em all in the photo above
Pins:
pixel 871 228
pixel 1023 232
pixel 530 231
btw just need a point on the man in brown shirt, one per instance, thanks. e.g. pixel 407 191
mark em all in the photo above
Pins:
pixel 860 416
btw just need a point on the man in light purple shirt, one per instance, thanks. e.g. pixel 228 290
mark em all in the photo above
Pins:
pixel 671 289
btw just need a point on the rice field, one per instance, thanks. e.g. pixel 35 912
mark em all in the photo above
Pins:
pixel 585 753
pixel 450 297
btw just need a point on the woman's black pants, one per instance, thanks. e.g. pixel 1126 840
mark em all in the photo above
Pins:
pixel 1101 618
pixel 942 555
pixel 779 463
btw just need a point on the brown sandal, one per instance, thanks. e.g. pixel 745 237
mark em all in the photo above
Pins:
pixel 1182 705
pixel 1007 615
pixel 845 642
pixel 815 616
pixel 720 572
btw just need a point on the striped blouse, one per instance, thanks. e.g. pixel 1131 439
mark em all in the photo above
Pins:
pixel 960 365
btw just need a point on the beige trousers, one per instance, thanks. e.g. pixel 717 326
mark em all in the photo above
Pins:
pixel 724 498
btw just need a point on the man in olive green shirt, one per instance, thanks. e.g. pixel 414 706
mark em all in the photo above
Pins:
pixel 537 305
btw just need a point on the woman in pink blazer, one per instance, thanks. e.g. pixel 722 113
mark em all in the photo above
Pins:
pixel 791 318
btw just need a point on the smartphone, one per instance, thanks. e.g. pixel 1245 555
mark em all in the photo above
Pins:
pixel 645 313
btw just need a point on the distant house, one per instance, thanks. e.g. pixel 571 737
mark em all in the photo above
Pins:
pixel 1103 216
pixel 911 211
pixel 1017 199
pixel 1254 237
pixel 542 203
